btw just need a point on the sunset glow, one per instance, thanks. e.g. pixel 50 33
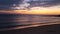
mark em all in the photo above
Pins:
pixel 44 7
pixel 44 11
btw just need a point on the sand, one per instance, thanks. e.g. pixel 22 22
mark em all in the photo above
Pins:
pixel 41 29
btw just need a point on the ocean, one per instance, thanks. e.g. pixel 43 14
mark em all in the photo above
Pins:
pixel 14 20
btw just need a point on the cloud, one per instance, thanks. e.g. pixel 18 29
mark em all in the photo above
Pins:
pixel 44 3
pixel 25 4
pixel 7 4
pixel 10 2
pixel 14 4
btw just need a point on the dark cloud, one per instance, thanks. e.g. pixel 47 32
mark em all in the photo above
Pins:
pixel 44 3
pixel 7 4
pixel 18 4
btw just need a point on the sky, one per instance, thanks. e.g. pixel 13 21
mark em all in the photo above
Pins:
pixel 48 7
pixel 27 4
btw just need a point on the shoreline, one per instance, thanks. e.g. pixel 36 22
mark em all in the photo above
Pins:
pixel 30 26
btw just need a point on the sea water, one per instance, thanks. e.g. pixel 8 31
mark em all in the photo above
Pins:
pixel 12 20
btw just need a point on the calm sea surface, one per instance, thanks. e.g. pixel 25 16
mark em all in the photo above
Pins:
pixel 7 21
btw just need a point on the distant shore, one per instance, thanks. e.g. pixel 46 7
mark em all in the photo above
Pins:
pixel 31 14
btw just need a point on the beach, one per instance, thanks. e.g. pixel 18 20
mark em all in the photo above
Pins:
pixel 47 29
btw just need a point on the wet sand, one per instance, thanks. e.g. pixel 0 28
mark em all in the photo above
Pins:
pixel 47 29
